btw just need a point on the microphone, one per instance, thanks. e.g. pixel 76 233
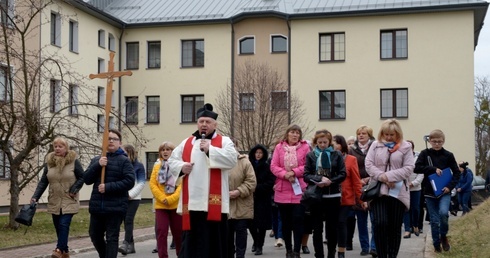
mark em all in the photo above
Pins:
pixel 203 137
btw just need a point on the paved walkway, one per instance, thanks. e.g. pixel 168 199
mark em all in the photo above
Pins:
pixel 415 247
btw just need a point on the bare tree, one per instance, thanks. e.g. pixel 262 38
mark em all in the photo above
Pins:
pixel 261 103
pixel 482 124
pixel 34 108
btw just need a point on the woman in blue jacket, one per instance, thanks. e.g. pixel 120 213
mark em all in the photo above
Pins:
pixel 464 186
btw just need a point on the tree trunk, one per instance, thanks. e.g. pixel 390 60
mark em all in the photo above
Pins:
pixel 14 199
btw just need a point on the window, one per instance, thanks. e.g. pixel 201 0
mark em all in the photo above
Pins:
pixel 154 54
pixel 101 36
pixel 279 44
pixel 153 109
pixel 55 96
pixel 132 55
pixel 73 36
pixel 6 11
pixel 4 165
pixel 132 110
pixel 394 103
pixel 247 101
pixel 100 65
pixel 394 44
pixel 279 100
pixel 101 123
pixel 4 84
pixel 112 42
pixel 190 105
pixel 247 45
pixel 101 95
pixel 56 29
pixel 151 158
pixel 332 104
pixel 73 100
pixel 332 47
pixel 192 53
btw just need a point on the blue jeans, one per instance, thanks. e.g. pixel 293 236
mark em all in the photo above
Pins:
pixel 105 225
pixel 362 227
pixel 411 217
pixel 62 225
pixel 464 200
pixel 438 209
pixel 276 222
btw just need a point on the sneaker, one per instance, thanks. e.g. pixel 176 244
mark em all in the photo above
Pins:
pixel 445 244
pixel 271 234
pixel 279 242
pixel 57 253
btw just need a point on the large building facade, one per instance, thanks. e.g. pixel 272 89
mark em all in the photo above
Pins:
pixel 351 63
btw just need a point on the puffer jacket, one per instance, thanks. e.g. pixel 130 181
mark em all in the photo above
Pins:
pixel 242 178
pixel 337 171
pixel 64 175
pixel 119 179
pixel 139 176
pixel 401 164
pixel 465 181
pixel 158 190
pixel 283 190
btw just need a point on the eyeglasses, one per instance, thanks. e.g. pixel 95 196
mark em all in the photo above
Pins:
pixel 113 139
pixel 437 142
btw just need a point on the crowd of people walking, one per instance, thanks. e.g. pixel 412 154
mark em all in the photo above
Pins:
pixel 210 196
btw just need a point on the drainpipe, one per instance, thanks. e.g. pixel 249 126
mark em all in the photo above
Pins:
pixel 232 97
pixel 119 87
pixel 288 22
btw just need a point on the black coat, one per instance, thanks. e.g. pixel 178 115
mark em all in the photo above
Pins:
pixel 119 179
pixel 263 191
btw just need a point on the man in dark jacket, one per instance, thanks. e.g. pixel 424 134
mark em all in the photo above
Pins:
pixel 109 200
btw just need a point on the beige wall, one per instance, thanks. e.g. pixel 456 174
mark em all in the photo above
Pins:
pixel 438 74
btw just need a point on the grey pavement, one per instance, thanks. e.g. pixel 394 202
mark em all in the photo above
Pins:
pixel 414 247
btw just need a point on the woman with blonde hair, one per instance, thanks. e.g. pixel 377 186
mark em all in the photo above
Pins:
pixel 63 173
pixel 390 161
pixel 166 191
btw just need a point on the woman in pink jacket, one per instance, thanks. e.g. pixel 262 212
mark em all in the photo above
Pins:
pixel 287 165
pixel 390 161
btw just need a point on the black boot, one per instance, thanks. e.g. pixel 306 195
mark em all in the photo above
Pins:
pixel 258 250
pixel 341 255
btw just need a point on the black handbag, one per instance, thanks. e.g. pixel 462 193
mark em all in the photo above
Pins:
pixel 312 195
pixel 371 191
pixel 26 214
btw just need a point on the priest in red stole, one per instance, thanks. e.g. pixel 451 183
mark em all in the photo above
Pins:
pixel 204 159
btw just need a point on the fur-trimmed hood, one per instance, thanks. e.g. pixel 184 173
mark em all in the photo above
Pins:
pixel 58 161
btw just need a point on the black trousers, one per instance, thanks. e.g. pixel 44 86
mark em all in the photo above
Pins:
pixel 292 216
pixel 206 239
pixel 387 224
pixel 105 224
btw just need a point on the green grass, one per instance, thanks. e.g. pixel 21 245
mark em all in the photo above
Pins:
pixel 42 229
pixel 468 235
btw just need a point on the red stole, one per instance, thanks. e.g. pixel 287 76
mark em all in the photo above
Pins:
pixel 214 199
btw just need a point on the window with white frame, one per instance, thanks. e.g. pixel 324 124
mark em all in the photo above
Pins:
pixel 279 44
pixel 151 158
pixel 56 29
pixel 247 101
pixel 101 95
pixel 100 65
pixel 4 165
pixel 394 103
pixel 247 45
pixel 190 105
pixel 101 38
pixel 332 104
pixel 101 123
pixel 332 47
pixel 6 12
pixel 193 53
pixel 132 55
pixel 55 96
pixel 112 42
pixel 154 52
pixel 394 44
pixel 73 100
pixel 4 83
pixel 73 36
pixel 279 100
pixel 132 110
pixel 153 109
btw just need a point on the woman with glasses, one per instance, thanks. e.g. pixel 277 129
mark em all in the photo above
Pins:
pixel 287 165
pixel 433 161
pixel 389 161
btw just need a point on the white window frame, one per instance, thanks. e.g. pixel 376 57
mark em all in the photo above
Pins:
pixel 239 48
pixel 55 29
pixel 272 43
pixel 55 95
pixel 101 38
pixel 73 36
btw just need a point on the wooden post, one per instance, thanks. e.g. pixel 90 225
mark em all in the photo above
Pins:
pixel 109 75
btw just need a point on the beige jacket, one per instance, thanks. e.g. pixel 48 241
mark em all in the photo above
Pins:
pixel 242 178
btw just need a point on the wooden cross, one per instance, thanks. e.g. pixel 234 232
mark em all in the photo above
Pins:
pixel 109 75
